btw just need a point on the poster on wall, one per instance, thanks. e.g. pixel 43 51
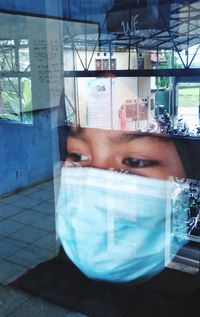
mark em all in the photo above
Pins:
pixel 100 103
pixel 133 114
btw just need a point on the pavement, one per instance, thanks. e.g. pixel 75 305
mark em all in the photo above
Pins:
pixel 27 238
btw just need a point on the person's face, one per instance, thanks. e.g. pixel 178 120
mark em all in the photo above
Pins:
pixel 139 154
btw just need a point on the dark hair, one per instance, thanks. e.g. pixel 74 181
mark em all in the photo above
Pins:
pixel 189 152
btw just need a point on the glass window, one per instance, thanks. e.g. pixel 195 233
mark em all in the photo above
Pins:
pixel 15 81
pixel 113 156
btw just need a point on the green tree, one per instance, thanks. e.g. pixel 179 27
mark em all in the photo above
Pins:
pixel 163 82
pixel 14 91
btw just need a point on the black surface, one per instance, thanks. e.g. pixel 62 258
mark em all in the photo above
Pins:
pixel 171 293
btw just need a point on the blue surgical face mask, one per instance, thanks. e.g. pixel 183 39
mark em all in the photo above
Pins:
pixel 113 226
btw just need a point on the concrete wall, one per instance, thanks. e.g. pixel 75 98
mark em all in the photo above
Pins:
pixel 26 149
pixel 26 153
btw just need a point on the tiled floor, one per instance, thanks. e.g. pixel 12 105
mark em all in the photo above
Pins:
pixel 27 237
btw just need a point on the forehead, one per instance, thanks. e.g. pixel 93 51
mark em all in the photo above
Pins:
pixel 113 135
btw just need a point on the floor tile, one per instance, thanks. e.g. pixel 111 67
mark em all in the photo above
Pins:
pixel 26 202
pixel 35 307
pixel 14 275
pixel 42 195
pixel 7 248
pixel 8 227
pixel 48 242
pixel 45 208
pixel 46 222
pixel 31 256
pixel 27 216
pixel 2 202
pixel 10 300
pixel 9 210
pixel 28 234
pixel 8 268
pixel 17 243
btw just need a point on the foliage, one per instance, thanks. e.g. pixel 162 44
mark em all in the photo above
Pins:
pixel 9 117
pixel 14 91
pixel 164 82
pixel 10 99
pixel 26 94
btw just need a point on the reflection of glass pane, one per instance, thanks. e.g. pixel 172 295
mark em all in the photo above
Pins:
pixel 10 109
pixel 186 222
pixel 70 100
pixel 153 104
pixel 24 62
pixel 113 103
pixel 105 64
pixel 140 63
pixel 188 103
pixel 26 100
pixel 81 40
pixel 98 64
pixel 113 64
pixel 7 55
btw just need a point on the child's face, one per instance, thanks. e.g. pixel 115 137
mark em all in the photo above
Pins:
pixel 139 154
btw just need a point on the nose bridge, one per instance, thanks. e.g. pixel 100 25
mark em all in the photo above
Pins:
pixel 101 153
pixel 101 158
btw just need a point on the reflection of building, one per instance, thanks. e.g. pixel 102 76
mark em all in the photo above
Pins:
pixel 104 62
pixel 133 114
pixel 105 107
pixel 70 54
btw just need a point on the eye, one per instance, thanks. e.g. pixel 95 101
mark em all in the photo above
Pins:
pixel 77 157
pixel 133 162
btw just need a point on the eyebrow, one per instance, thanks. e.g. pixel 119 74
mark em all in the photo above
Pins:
pixel 78 133
pixel 132 136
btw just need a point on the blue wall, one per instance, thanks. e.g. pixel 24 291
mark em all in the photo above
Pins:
pixel 25 153
pixel 76 9
pixel 26 150
pixel 44 7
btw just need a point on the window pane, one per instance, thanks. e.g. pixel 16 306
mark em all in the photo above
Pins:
pixel 24 62
pixel 9 99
